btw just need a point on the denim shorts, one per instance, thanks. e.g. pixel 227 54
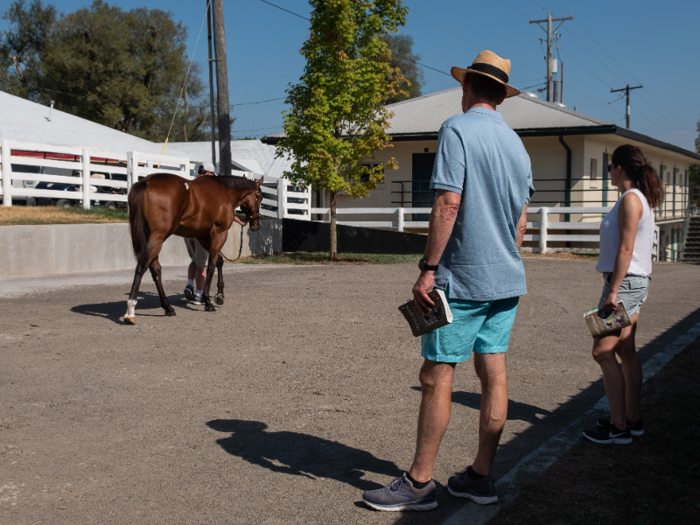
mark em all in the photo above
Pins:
pixel 480 326
pixel 633 292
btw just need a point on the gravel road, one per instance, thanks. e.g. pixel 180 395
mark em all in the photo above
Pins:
pixel 280 407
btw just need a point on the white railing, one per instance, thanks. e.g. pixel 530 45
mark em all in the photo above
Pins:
pixel 543 237
pixel 282 200
pixel 400 223
pixel 92 170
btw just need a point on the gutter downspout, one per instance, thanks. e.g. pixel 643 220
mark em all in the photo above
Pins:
pixel 567 186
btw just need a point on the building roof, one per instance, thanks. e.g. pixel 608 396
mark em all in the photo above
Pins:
pixel 246 155
pixel 26 121
pixel 526 111
pixel 420 118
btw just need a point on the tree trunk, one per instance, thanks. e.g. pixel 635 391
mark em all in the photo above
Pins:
pixel 334 237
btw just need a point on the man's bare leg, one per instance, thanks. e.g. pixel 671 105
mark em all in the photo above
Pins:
pixel 491 370
pixel 434 415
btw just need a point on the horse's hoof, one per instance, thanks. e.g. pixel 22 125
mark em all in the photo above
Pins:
pixel 219 299
pixel 170 313
pixel 129 320
pixel 209 308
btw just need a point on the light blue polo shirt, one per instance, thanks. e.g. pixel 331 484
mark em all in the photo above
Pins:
pixel 484 161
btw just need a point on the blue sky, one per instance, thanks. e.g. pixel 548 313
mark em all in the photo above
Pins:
pixel 608 44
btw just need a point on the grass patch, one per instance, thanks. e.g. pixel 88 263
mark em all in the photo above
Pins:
pixel 322 258
pixel 653 480
pixel 23 215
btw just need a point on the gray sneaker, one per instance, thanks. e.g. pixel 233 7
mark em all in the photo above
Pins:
pixel 402 495
pixel 198 300
pixel 189 292
pixel 482 492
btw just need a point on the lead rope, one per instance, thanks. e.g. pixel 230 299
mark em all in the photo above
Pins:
pixel 240 250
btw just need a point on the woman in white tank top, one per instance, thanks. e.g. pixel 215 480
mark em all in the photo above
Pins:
pixel 626 240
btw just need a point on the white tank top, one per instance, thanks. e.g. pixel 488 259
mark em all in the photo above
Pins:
pixel 643 242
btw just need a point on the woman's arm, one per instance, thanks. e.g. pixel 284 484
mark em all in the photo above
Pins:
pixel 629 214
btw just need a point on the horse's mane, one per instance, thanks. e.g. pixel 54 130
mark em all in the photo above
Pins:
pixel 236 183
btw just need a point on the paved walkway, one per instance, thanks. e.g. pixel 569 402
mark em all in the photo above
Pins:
pixel 282 406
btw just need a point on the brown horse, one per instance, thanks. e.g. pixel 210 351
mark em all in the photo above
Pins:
pixel 162 205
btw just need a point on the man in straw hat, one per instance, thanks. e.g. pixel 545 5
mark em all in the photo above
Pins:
pixel 483 181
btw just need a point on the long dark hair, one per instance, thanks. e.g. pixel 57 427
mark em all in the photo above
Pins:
pixel 631 159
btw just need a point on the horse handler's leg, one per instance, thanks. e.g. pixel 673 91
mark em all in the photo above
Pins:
pixel 220 283
pixel 156 274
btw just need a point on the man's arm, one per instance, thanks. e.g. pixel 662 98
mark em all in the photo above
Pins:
pixel 522 227
pixel 442 220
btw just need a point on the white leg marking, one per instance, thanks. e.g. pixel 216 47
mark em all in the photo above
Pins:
pixel 131 306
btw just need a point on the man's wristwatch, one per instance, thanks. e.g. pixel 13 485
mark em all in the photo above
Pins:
pixel 425 267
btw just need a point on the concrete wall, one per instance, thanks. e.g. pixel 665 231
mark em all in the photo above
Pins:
pixel 68 248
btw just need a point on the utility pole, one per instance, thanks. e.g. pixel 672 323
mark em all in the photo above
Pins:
pixel 211 62
pixel 627 90
pixel 222 106
pixel 549 21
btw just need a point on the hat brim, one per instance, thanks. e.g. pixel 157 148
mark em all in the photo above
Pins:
pixel 459 73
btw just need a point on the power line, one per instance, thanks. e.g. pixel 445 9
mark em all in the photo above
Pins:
pixel 511 8
pixel 630 74
pixel 257 102
pixel 286 10
pixel 466 39
pixel 421 65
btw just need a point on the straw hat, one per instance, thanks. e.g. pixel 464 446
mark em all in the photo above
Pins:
pixel 490 65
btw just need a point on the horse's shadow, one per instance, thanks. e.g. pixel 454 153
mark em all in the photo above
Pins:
pixel 299 454
pixel 148 306
pixel 516 410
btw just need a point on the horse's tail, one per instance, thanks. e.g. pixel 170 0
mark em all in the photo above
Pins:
pixel 137 220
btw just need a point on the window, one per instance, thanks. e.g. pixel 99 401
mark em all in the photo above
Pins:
pixel 594 169
pixel 365 177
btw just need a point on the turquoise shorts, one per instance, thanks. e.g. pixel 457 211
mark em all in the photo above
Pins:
pixel 480 326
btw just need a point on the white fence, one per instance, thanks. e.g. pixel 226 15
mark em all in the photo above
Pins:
pixel 97 175
pixel 543 237
pixel 103 177
pixel 282 200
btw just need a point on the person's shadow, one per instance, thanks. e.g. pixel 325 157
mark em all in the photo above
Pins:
pixel 299 454
pixel 516 410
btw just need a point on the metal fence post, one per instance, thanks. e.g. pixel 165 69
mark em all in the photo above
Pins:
pixel 400 221
pixel 543 229
pixel 282 198
pixel 6 173
pixel 85 157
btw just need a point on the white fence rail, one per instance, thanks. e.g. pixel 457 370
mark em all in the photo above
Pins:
pixel 282 200
pixel 89 177
pixel 96 175
pixel 543 237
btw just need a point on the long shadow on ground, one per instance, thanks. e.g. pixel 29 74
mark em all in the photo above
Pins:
pixel 148 306
pixel 299 454
pixel 516 410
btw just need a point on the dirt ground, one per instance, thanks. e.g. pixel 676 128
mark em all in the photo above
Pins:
pixel 280 407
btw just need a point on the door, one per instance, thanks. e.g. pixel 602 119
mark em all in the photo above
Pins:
pixel 422 195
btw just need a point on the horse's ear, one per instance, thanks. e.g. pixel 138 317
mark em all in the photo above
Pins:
pixel 259 183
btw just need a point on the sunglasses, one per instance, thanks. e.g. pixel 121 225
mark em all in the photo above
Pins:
pixel 609 167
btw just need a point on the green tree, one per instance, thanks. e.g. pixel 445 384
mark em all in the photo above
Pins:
pixel 21 46
pixel 338 116
pixel 123 69
pixel 403 58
